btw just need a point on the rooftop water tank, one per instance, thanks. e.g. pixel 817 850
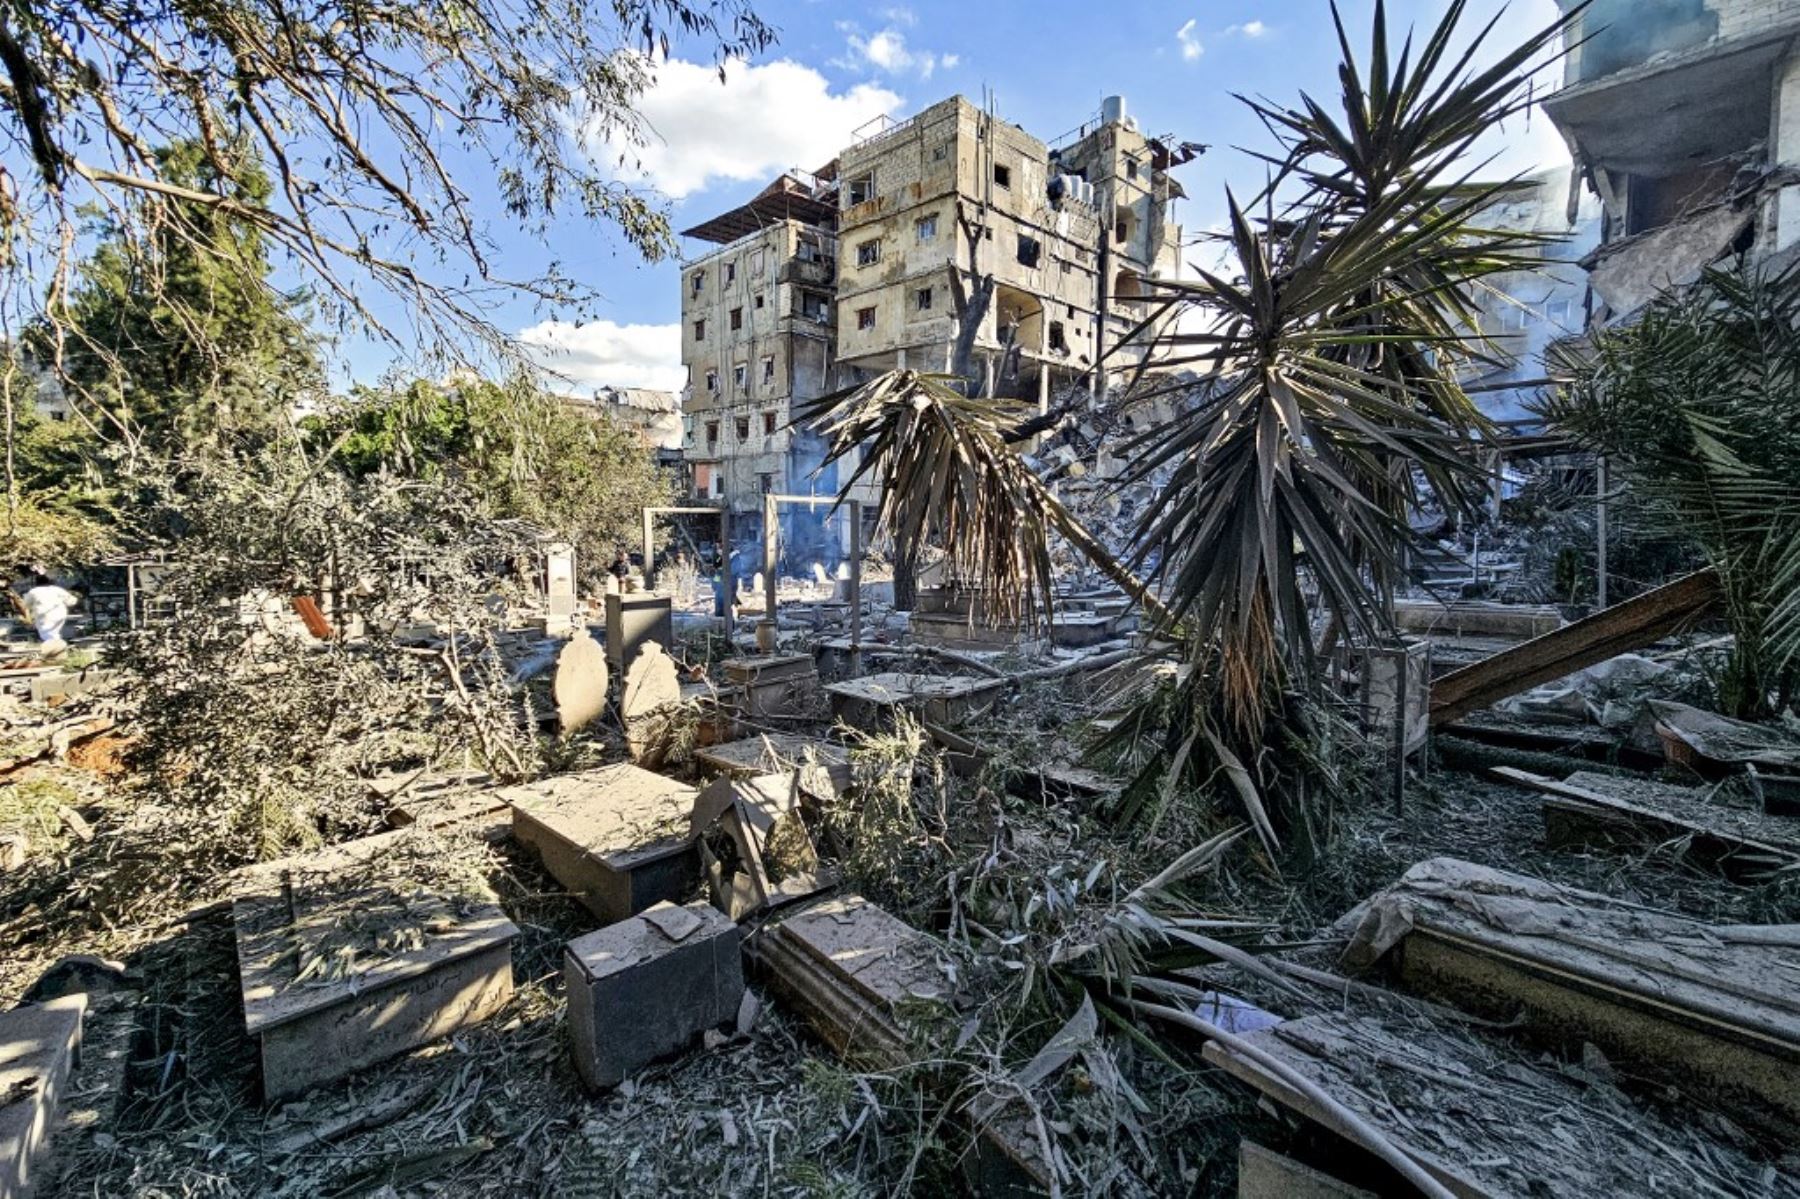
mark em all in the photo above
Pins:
pixel 1112 109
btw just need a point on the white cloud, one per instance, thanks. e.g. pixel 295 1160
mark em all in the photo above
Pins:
pixel 899 14
pixel 601 354
pixel 887 51
pixel 761 120
pixel 1249 29
pixel 1191 47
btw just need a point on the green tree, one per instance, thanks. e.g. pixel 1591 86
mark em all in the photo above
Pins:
pixel 563 466
pixel 180 345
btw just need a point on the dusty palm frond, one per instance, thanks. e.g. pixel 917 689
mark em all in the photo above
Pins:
pixel 1697 405
pixel 948 474
pixel 1333 352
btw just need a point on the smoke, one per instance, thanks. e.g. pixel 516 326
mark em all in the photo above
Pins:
pixel 1628 33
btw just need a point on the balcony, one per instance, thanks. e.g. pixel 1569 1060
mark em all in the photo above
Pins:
pixel 815 272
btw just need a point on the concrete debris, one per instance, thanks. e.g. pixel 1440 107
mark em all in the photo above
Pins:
pixel 1709 1008
pixel 38 1047
pixel 647 987
pixel 359 953
pixel 754 845
pixel 1694 736
pixel 581 683
pixel 618 837
pixel 1265 1174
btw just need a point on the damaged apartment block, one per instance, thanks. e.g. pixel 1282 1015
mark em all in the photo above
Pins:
pixel 1684 117
pixel 953 241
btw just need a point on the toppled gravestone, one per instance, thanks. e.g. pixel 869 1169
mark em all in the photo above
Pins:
pixel 581 681
pixel 646 987
pixel 754 846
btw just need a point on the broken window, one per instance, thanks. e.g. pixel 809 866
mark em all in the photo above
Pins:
pixel 756 264
pixel 865 318
pixel 766 482
pixel 940 151
pixel 1131 168
pixel 731 272
pixel 868 253
pixel 759 301
pixel 1002 176
pixel 712 434
pixel 743 428
pixel 1122 231
pixel 924 299
pixel 1058 342
pixel 1030 250
pixel 699 330
pixel 740 374
pixel 809 248
pixel 926 227
pixel 812 305
pixel 699 281
pixel 860 190
pixel 712 380
pixel 769 368
pixel 768 424
pixel 737 319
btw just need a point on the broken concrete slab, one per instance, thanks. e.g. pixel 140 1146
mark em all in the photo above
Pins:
pixel 1265 1174
pixel 647 987
pixel 581 683
pixel 823 766
pixel 618 836
pixel 1479 1117
pixel 754 845
pixel 1477 618
pixel 871 702
pixel 362 952
pixel 1709 1008
pixel 39 1044
pixel 1742 844
pixel 855 973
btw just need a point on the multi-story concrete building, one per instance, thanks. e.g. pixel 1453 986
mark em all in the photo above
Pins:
pixel 933 205
pixel 756 335
pixel 876 261
pixel 1684 118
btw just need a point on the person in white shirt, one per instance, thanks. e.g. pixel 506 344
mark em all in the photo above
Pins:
pixel 47 607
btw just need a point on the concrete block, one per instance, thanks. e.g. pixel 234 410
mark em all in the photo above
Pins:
pixel 824 768
pixel 644 988
pixel 38 1048
pixel 773 685
pixel 634 619
pixel 356 954
pixel 617 836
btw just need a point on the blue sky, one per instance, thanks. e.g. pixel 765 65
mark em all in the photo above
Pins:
pixel 839 65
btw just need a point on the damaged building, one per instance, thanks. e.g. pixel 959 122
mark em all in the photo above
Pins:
pixel 877 261
pixel 1684 118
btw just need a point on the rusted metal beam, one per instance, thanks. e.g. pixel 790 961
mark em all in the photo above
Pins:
pixel 1606 634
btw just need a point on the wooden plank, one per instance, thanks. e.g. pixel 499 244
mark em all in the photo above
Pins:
pixel 1606 634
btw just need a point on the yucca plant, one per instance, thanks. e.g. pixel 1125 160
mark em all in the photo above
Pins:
pixel 1697 407
pixel 1330 351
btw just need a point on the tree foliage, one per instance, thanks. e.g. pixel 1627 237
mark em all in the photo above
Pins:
pixel 1697 405
pixel 564 466
pixel 381 126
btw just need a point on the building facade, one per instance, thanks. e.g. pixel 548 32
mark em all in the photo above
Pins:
pixel 1684 119
pixel 953 219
